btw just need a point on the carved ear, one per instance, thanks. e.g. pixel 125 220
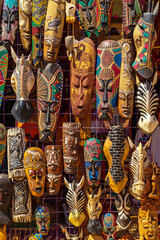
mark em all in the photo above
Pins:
pixel 131 144
pixel 81 182
pixel 137 81
pixel 125 125
pixel 137 8
pixel 29 59
pixel 99 192
pixel 66 183
pixel 148 143
pixel 155 79
pixel 14 56
pixel 156 9
pixel 67 234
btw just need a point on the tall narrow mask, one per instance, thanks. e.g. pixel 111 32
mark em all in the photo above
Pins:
pixel 109 226
pixel 42 216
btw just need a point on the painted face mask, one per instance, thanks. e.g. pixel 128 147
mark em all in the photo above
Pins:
pixel 22 81
pixel 25 15
pixel 109 226
pixel 54 168
pixel 93 161
pixel 35 168
pixel 82 78
pixel 42 216
pixel 3 139
pixel 49 95
pixel 107 78
pixel 3 70
pixel 104 16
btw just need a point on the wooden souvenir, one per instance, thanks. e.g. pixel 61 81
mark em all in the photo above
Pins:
pixel 71 45
pixel 116 149
pixel 70 12
pixel 93 155
pixel 3 139
pixel 36 236
pixel 123 204
pixel 3 70
pixel 139 161
pixel 54 168
pixel 22 81
pixel 39 9
pixel 35 168
pixel 82 78
pixel 54 24
pixel 93 237
pixel 78 236
pixel 94 209
pixel 75 199
pixel 144 37
pixel 107 78
pixel 3 234
pixel 25 16
pixel 42 217
pixel 15 151
pixel 70 142
pixel 49 96
pixel 109 226
pixel 127 80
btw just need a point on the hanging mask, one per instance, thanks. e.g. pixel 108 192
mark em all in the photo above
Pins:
pixel 49 96
pixel 107 78
pixel 22 81
pixel 54 168
pixel 3 70
pixel 82 78
pixel 70 12
pixel 35 168
pixel 42 216
pixel 3 139
pixel 109 226
pixel 93 155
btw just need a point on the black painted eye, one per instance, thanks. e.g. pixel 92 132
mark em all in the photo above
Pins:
pixel 83 9
pixel 141 27
pixel 101 89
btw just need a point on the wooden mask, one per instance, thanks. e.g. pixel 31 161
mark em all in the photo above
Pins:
pixel 127 80
pixel 109 226
pixel 22 81
pixel 3 139
pixel 107 78
pixel 35 168
pixel 70 141
pixel 75 199
pixel 82 78
pixel 54 24
pixel 25 15
pixel 94 209
pixel 39 9
pixel 49 96
pixel 78 236
pixel 3 70
pixel 144 37
pixel 54 168
pixel 138 163
pixel 70 11
pixel 104 10
pixel 93 156
pixel 116 149
pixel 42 216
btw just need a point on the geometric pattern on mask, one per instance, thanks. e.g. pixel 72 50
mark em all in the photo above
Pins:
pixel 3 70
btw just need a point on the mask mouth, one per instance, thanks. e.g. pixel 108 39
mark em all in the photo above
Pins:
pixel 27 36
pixel 91 29
pixel 93 180
pixel 104 24
pixel 38 189
pixel 80 107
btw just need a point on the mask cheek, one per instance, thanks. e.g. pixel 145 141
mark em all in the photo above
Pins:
pixel 47 225
pixel 39 227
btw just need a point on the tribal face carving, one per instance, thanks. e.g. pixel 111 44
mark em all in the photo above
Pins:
pixel 104 15
pixel 3 139
pixel 49 95
pixel 3 70
pixel 42 216
pixel 109 226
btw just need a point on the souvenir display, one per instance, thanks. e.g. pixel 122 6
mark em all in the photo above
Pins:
pixel 104 9
pixel 109 226
pixel 42 216
pixel 35 168
pixel 22 81
pixel 107 78
pixel 94 209
pixel 54 168
pixel 75 199
pixel 70 11
pixel 93 155
pixel 53 29
pixel 3 70
pixel 49 96
pixel 39 9
pixel 93 237
pixel 25 15
pixel 70 142
pixel 3 139
pixel 78 236
pixel 127 80
pixel 82 78
pixel 3 234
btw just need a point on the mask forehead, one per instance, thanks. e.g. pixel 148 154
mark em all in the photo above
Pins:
pixel 3 70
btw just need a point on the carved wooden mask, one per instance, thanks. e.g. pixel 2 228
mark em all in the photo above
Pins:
pixel 82 78
pixel 25 16
pixel 53 29
pixel 3 139
pixel 109 226
pixel 42 216
pixel 54 168
pixel 49 96
pixel 22 81
pixel 70 141
pixel 3 70
pixel 35 168
pixel 70 11
pixel 107 78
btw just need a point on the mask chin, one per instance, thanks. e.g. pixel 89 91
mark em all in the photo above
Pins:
pixel 148 126
pixel 94 226
pixel 22 111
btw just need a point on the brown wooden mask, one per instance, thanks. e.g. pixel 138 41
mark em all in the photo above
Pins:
pixel 3 139
pixel 82 78
pixel 53 29
pixel 35 168
pixel 70 141
pixel 22 81
pixel 54 168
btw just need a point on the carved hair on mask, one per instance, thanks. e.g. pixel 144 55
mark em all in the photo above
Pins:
pixel 35 168
pixel 144 37
pixel 3 70
pixel 75 199
pixel 42 216
pixel 78 236
pixel 22 81
pixel 93 155
pixel 3 139
pixel 70 142
pixel 54 168
pixel 70 11
pixel 49 96
pixel 82 78
pixel 107 78
pixel 109 226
